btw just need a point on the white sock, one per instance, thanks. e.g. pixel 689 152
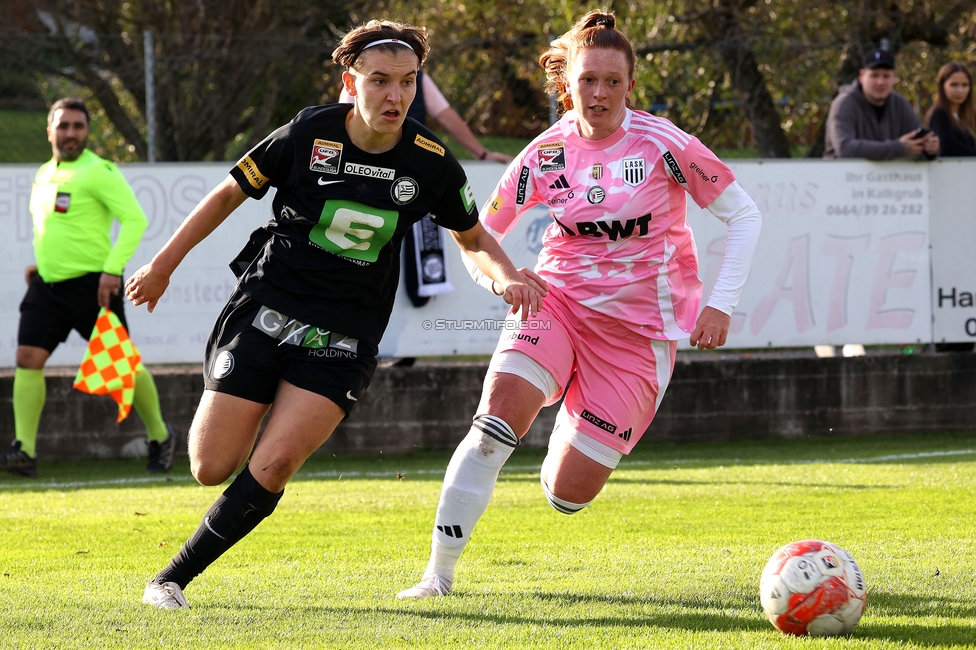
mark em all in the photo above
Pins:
pixel 468 485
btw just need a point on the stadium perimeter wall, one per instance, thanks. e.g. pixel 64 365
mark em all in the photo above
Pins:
pixel 713 397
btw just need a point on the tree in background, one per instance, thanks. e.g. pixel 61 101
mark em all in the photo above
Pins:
pixel 226 71
pixel 735 73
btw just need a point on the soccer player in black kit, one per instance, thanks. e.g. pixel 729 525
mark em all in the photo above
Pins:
pixel 316 283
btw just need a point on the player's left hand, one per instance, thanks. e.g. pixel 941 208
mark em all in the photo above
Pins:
pixel 108 286
pixel 711 330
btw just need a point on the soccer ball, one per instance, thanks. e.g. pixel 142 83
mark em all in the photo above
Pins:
pixel 812 588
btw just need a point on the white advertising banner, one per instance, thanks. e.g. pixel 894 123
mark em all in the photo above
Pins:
pixel 953 210
pixel 844 258
pixel 177 331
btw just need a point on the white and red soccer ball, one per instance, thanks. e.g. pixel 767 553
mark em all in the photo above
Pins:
pixel 812 588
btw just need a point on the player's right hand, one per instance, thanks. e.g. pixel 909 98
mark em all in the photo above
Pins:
pixel 535 281
pixel 29 273
pixel 146 286
pixel 523 297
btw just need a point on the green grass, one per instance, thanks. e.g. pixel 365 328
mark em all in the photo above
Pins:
pixel 668 556
pixel 23 137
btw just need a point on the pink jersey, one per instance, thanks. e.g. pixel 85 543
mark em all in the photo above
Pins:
pixel 619 242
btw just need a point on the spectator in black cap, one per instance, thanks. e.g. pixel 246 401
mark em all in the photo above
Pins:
pixel 868 119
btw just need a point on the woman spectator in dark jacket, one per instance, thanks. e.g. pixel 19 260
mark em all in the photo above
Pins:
pixel 953 117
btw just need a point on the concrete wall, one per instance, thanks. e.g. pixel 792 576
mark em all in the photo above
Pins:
pixel 712 397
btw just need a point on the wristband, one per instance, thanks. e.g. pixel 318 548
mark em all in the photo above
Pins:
pixel 484 154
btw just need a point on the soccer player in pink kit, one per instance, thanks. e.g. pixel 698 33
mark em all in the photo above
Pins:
pixel 621 269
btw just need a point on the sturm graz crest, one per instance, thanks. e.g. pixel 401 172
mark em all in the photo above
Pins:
pixel 404 190
pixel 634 171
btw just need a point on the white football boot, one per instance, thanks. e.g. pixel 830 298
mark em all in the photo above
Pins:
pixel 430 585
pixel 165 596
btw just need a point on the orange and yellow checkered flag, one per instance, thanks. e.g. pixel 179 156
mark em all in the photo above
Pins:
pixel 110 364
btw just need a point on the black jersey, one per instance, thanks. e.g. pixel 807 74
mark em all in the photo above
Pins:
pixel 330 256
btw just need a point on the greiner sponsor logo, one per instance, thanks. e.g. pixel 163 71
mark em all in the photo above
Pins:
pixel 704 175
pixel 561 201
pixel 382 173
pixel 600 422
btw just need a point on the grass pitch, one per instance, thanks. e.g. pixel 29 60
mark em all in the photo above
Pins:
pixel 668 556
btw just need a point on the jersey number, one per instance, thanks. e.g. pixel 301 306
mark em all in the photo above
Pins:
pixel 353 230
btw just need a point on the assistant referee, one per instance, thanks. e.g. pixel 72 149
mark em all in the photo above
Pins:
pixel 74 201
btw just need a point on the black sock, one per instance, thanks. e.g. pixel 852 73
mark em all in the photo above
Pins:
pixel 242 506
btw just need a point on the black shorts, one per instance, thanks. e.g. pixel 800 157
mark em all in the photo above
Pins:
pixel 49 312
pixel 252 348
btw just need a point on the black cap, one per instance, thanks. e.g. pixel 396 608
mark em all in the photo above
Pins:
pixel 879 59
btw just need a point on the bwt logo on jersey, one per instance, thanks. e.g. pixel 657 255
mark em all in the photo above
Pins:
pixel 674 167
pixel 600 422
pixel 382 173
pixel 704 176
pixel 552 157
pixel 614 229
pixel 326 156
pixel 634 171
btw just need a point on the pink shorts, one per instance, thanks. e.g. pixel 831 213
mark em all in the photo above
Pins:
pixel 620 376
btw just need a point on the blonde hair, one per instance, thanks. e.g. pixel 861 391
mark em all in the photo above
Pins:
pixel 350 49
pixel 597 29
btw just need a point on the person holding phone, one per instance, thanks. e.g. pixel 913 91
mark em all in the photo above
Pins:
pixel 868 119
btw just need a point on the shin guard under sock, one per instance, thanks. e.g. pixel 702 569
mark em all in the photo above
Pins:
pixel 242 506
pixel 468 486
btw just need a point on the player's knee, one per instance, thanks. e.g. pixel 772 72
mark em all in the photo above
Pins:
pixel 561 504
pixel 31 358
pixel 211 472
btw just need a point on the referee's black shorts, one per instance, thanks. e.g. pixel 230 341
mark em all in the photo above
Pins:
pixel 49 312
pixel 252 348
